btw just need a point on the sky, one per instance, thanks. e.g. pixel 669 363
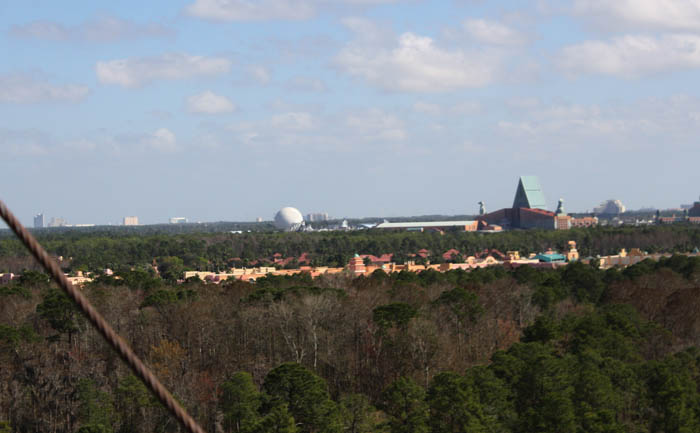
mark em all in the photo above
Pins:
pixel 228 110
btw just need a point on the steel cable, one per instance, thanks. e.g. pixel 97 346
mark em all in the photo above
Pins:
pixel 100 323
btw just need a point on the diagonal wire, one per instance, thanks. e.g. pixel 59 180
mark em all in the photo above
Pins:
pixel 100 323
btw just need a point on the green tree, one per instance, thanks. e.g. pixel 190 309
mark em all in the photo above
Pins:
pixel 462 308
pixel 240 401
pixel 584 281
pixel 132 398
pixel 595 398
pixel 34 279
pixel 171 268
pixel 278 420
pixel 674 397
pixel 454 406
pixel 396 315
pixel 60 312
pixel 404 402
pixel 356 413
pixel 542 387
pixel 306 395
pixel 96 409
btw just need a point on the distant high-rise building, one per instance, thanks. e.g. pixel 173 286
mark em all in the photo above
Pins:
pixel 39 221
pixel 131 221
pixel 318 216
pixel 178 220
pixel 259 219
pixel 695 210
pixel 58 222
pixel 610 207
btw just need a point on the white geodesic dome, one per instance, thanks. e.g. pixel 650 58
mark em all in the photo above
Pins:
pixel 289 219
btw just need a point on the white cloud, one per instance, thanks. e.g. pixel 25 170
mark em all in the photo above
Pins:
pixel 632 55
pixel 416 64
pixel 101 30
pixel 259 73
pixel 427 108
pixel 24 142
pixel 645 123
pixel 659 14
pixel 493 32
pixel 248 10
pixel 263 10
pixel 376 125
pixel 26 88
pixel 209 103
pixel 307 84
pixel 523 103
pixel 296 121
pixel 134 72
pixel 162 140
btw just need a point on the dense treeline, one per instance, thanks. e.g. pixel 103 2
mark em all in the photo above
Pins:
pixel 217 251
pixel 568 350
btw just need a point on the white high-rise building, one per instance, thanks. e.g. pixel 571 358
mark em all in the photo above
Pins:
pixel 58 222
pixel 131 221
pixel 610 207
pixel 316 217
pixel 39 221
pixel 178 220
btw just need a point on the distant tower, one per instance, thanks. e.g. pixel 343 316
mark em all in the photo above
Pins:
pixel 130 221
pixel 482 208
pixel 39 221
pixel 357 265
pixel 560 208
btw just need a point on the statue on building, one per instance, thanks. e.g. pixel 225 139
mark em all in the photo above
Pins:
pixel 560 207
pixel 482 208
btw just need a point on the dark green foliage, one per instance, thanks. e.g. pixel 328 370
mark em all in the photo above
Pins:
pixel 96 410
pixel 165 297
pixel 541 384
pixel 306 396
pixel 674 394
pixel 12 336
pixel 240 401
pixel 404 403
pixel 131 398
pixel 60 312
pixel 584 282
pixel 278 420
pixel 544 330
pixel 171 268
pixel 356 414
pixel 139 279
pixel 14 290
pixel 395 315
pixel 455 406
pixel 462 304
pixel 34 280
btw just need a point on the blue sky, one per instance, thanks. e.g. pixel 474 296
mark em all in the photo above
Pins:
pixel 231 109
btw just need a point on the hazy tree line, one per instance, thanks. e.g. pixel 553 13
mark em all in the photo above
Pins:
pixel 569 350
pixel 218 251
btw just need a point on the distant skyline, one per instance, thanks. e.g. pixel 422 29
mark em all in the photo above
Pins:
pixel 230 110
